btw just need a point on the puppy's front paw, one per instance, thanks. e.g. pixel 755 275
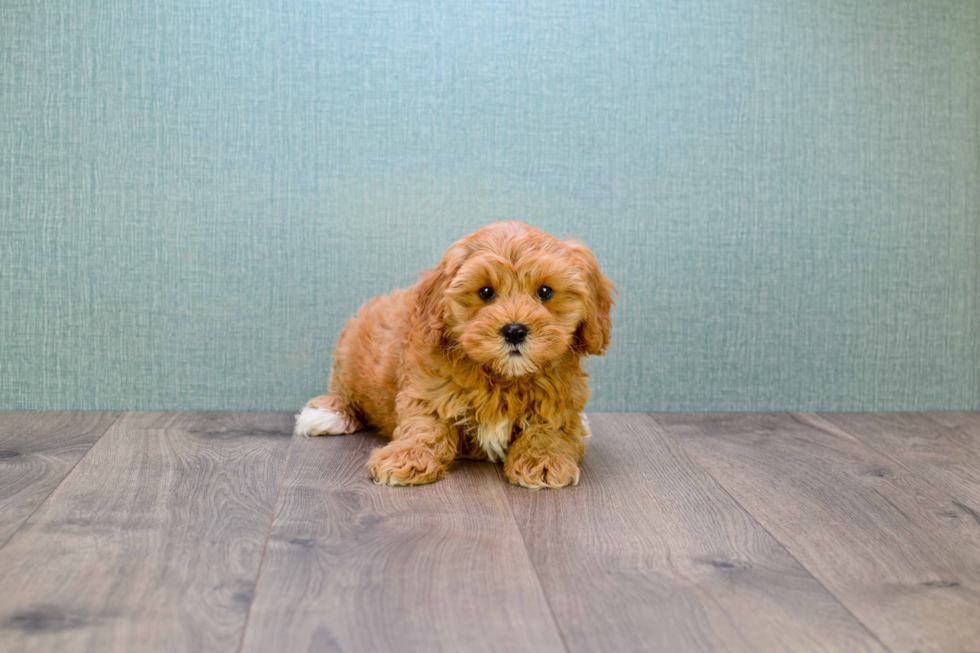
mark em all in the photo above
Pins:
pixel 536 469
pixel 405 463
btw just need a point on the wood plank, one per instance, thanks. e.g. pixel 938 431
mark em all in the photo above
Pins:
pixel 37 450
pixel 354 566
pixel 965 421
pixel 648 553
pixel 947 457
pixel 153 542
pixel 892 548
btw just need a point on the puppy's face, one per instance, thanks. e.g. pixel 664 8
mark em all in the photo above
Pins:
pixel 516 299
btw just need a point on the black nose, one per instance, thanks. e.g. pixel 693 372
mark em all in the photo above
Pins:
pixel 514 333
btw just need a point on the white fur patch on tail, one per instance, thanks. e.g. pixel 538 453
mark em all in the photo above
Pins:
pixel 320 421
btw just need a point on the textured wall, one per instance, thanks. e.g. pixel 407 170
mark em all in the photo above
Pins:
pixel 195 195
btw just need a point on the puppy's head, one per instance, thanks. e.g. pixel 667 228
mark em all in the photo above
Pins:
pixel 516 300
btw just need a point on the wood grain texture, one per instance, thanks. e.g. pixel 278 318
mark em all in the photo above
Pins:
pixel 37 450
pixel 648 553
pixel 965 424
pixel 965 420
pixel 357 567
pixel 152 543
pixel 947 457
pixel 897 552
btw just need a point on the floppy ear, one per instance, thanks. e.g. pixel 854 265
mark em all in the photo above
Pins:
pixel 431 302
pixel 593 332
pixel 431 293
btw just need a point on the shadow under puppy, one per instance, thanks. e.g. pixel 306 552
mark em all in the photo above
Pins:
pixel 481 358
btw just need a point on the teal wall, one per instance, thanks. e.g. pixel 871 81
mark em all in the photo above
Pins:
pixel 195 195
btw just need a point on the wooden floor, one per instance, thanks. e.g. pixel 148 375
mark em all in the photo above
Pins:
pixel 688 532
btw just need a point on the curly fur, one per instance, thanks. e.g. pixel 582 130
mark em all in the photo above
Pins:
pixel 428 366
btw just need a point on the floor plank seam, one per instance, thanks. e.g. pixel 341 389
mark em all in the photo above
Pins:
pixel 885 454
pixel 694 462
pixel 55 488
pixel 265 545
pixel 527 552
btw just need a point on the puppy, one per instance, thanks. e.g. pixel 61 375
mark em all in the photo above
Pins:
pixel 481 358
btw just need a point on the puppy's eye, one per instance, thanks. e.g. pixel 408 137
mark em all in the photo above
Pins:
pixel 545 293
pixel 486 293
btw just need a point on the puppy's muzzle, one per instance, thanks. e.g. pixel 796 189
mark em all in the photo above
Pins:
pixel 514 333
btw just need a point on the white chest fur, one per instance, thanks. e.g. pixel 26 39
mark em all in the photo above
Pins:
pixel 494 438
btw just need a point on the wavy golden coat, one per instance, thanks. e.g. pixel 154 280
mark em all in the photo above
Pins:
pixel 431 367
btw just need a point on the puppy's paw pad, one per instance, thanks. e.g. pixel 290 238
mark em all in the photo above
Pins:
pixel 324 421
pixel 404 463
pixel 539 469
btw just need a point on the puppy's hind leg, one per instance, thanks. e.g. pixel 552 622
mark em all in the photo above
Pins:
pixel 326 415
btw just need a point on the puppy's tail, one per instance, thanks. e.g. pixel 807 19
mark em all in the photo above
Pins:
pixel 326 415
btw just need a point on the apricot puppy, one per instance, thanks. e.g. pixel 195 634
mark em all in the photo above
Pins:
pixel 481 358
